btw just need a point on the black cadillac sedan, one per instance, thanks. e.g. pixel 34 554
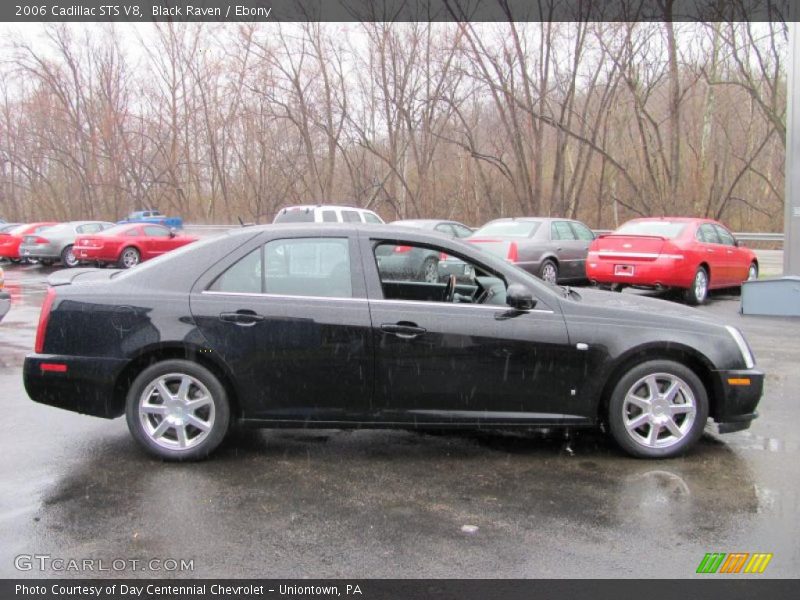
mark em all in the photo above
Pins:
pixel 298 326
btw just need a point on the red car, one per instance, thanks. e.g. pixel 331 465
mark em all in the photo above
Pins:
pixel 10 241
pixel 128 245
pixel 694 255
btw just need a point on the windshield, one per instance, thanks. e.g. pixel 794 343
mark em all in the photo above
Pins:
pixel 519 229
pixel 660 228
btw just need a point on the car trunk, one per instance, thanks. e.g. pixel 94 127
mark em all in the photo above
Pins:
pixel 629 247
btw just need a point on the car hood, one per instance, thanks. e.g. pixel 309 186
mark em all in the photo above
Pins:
pixel 652 307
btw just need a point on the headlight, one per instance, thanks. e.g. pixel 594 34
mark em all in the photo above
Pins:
pixel 747 355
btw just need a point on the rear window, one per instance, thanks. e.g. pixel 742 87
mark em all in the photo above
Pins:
pixel 519 229
pixel 665 229
pixel 351 216
pixel 300 215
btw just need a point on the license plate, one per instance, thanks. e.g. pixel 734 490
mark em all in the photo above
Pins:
pixel 623 270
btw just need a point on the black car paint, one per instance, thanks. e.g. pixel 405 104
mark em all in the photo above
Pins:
pixel 329 361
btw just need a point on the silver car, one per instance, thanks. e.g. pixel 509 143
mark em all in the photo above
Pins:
pixel 553 249
pixel 55 243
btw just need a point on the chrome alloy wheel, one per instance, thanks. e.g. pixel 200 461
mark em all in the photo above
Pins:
pixel 659 410
pixel 130 258
pixel 700 285
pixel 176 411
pixel 430 271
pixel 550 273
pixel 752 272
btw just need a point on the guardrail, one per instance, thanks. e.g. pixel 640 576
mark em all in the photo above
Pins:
pixel 744 236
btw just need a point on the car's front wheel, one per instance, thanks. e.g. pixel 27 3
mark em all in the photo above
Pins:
pixel 752 272
pixel 658 409
pixel 178 410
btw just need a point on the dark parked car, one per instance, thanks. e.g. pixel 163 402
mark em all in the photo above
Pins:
pixel 296 325
pixel 422 263
pixel 553 249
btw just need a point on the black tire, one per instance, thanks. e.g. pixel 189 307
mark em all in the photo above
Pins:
pixel 68 258
pixel 430 270
pixel 128 258
pixel 214 412
pixel 549 271
pixel 690 423
pixel 698 293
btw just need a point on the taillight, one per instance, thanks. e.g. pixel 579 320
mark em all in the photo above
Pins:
pixel 41 240
pixel 513 252
pixel 44 317
pixel 402 249
pixel 669 250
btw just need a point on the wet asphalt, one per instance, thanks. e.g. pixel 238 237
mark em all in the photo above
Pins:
pixel 329 503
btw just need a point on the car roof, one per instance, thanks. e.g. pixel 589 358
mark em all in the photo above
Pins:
pixel 340 206
pixel 677 219
pixel 531 219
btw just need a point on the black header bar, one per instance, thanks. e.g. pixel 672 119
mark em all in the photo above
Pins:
pixel 142 11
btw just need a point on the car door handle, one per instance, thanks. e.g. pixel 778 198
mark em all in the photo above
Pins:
pixel 406 331
pixel 709 250
pixel 244 318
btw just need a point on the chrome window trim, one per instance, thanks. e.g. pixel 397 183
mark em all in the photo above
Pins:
pixel 295 296
pixel 370 300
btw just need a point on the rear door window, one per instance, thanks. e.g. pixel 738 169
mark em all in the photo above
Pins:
pixel 351 216
pixel 725 236
pixel 560 230
pixel 707 234
pixel 317 267
pixel 243 277
pixel 329 216
pixel 582 232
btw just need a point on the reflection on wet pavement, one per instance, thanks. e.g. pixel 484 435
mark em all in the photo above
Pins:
pixel 331 503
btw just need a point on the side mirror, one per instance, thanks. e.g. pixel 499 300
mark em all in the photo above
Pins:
pixel 519 297
pixel 173 232
pixel 736 242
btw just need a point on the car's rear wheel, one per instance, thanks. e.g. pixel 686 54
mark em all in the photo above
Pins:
pixel 549 271
pixel 129 257
pixel 658 409
pixel 177 410
pixel 698 292
pixel 68 258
